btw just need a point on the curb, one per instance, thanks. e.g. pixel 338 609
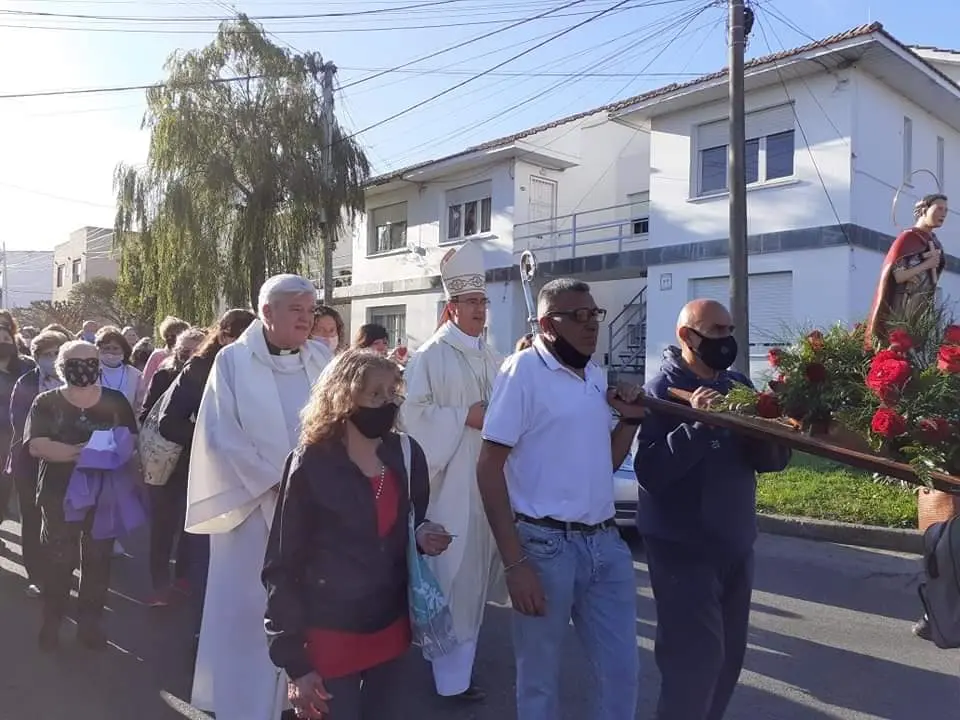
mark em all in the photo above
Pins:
pixel 895 539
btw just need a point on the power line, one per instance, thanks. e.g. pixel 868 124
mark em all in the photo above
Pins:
pixel 128 88
pixel 199 18
pixel 483 73
pixel 803 133
pixel 41 193
pixel 652 31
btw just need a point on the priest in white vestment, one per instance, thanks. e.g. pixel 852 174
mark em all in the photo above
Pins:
pixel 248 422
pixel 449 381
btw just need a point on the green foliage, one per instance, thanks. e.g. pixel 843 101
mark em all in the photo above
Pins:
pixel 235 188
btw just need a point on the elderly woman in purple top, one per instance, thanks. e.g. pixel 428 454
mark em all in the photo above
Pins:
pixel 24 468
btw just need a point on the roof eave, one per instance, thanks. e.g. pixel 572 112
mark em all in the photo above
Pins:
pixel 661 104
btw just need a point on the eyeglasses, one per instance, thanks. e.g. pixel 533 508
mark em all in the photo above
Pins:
pixel 475 302
pixel 378 399
pixel 583 315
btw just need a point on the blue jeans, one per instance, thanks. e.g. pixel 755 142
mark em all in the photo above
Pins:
pixel 589 578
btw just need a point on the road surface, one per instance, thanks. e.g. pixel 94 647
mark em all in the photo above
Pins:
pixel 830 638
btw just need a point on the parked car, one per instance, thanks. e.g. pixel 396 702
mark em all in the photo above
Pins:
pixel 625 494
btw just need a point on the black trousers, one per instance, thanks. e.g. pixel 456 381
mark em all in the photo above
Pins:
pixel 703 616
pixel 61 542
pixel 168 504
pixel 30 524
pixel 370 695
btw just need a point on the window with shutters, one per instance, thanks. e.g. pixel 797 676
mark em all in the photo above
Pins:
pixel 393 318
pixel 770 308
pixel 388 229
pixel 469 211
pixel 639 212
pixel 769 150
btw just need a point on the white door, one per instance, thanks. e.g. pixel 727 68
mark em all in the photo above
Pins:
pixel 771 305
pixel 542 211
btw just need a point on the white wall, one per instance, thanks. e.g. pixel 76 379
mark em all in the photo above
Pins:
pixel 678 218
pixel 821 295
pixel 29 277
pixel 426 216
pixel 613 163
pixel 505 317
pixel 878 165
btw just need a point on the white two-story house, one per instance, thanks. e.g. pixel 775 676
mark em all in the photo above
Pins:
pixel 580 180
pixel 834 130
pixel 632 198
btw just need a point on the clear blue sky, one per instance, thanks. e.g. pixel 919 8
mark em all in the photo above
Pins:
pixel 57 154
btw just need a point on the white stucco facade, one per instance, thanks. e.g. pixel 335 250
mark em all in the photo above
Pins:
pixel 631 197
pixel 586 168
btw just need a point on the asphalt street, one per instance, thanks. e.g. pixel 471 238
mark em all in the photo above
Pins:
pixel 830 638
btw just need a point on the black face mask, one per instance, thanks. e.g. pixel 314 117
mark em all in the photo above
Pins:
pixel 81 373
pixel 374 422
pixel 568 354
pixel 716 353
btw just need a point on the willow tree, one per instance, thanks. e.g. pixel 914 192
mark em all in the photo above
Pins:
pixel 235 188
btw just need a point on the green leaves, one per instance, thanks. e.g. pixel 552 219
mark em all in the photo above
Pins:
pixel 235 188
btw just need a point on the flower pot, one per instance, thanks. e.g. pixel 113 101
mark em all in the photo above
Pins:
pixel 934 506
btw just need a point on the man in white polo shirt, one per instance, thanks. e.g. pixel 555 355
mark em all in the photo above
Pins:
pixel 546 478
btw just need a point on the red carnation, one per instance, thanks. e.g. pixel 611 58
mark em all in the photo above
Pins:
pixel 815 372
pixel 888 355
pixel 888 374
pixel 934 429
pixel 816 340
pixel 952 335
pixel 900 340
pixel 775 357
pixel 768 406
pixel 948 358
pixel 888 423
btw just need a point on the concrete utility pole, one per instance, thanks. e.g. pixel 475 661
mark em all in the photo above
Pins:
pixel 330 225
pixel 737 180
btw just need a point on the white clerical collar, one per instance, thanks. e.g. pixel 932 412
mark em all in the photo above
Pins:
pixel 466 340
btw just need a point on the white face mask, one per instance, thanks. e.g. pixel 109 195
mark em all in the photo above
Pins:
pixel 111 360
pixel 331 342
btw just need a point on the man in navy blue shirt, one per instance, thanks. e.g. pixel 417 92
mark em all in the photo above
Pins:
pixel 698 518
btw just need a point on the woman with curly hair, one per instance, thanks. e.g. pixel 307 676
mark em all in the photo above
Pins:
pixel 335 570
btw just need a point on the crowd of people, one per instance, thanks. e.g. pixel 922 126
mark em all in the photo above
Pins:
pixel 314 474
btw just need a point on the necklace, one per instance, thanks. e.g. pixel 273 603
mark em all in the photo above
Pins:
pixel 119 385
pixel 383 477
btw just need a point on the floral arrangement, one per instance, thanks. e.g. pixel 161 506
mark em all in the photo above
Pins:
pixel 902 400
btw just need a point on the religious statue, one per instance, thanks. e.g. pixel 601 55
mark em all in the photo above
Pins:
pixel 911 269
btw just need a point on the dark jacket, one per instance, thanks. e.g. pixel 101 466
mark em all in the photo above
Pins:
pixel 698 484
pixel 19 366
pixel 160 382
pixel 19 462
pixel 326 567
pixel 178 417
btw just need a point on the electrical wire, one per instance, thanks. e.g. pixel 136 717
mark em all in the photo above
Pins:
pixel 652 31
pixel 178 19
pixel 481 74
pixel 803 133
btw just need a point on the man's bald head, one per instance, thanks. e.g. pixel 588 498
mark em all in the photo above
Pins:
pixel 702 314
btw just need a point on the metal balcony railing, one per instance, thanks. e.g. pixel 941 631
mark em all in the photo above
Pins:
pixel 591 232
pixel 627 337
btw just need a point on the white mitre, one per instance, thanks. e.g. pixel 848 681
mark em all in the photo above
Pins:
pixel 462 270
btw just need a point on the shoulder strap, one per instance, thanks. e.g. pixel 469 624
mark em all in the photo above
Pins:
pixel 405 446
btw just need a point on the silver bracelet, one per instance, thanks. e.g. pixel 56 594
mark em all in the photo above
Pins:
pixel 518 563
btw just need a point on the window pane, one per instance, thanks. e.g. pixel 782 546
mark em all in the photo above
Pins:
pixel 780 155
pixel 713 169
pixel 470 218
pixel 454 220
pixel 751 152
pixel 486 206
pixel 398 236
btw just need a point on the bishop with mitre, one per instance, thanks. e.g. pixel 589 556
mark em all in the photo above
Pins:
pixel 449 381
